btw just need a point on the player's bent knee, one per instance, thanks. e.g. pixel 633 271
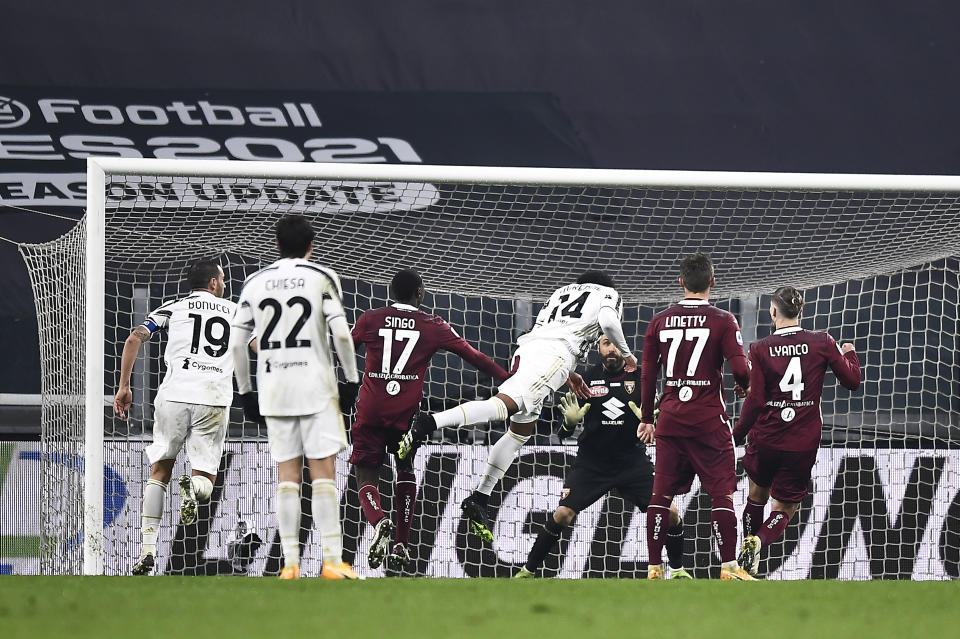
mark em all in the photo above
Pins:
pixel 202 487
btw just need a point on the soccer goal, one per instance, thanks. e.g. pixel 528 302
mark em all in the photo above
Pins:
pixel 876 257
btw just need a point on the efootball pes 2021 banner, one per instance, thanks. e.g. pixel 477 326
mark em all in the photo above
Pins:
pixel 47 134
pixel 870 514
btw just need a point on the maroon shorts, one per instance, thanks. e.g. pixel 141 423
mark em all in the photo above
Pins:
pixel 785 472
pixel 710 457
pixel 372 443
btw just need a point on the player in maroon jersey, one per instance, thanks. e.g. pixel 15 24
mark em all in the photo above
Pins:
pixel 782 417
pixel 400 340
pixel 689 341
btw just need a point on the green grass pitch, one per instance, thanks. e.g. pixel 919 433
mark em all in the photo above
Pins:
pixel 495 609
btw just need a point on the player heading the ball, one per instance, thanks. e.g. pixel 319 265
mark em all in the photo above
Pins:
pixel 545 359
pixel 689 342
pixel 782 417
pixel 293 307
pixel 400 340
pixel 192 403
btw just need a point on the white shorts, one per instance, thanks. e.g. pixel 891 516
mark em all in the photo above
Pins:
pixel 203 428
pixel 312 436
pixel 542 367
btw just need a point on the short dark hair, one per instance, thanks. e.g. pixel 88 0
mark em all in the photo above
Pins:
pixel 294 235
pixel 596 277
pixel 201 272
pixel 788 301
pixel 697 272
pixel 405 285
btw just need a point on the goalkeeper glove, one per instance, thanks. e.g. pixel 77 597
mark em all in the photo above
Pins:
pixel 251 408
pixel 348 395
pixel 573 412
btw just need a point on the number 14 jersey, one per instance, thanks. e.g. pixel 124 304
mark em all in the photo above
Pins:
pixel 572 315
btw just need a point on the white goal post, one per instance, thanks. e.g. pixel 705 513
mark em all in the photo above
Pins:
pixel 904 222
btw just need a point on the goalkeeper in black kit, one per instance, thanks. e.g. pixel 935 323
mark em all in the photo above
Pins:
pixel 610 457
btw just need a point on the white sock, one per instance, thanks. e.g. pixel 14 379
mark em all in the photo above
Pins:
pixel 202 487
pixel 500 458
pixel 151 510
pixel 288 520
pixel 326 514
pixel 470 413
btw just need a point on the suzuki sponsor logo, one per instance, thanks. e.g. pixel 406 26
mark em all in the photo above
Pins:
pixel 613 408
pixel 13 113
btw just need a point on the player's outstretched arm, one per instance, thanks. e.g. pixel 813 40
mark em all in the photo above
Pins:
pixel 131 348
pixel 609 321
pixel 573 413
pixel 846 367
pixel 452 342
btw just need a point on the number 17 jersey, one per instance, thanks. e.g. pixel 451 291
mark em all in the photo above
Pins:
pixel 289 305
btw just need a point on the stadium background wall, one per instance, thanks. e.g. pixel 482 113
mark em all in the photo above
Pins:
pixel 871 514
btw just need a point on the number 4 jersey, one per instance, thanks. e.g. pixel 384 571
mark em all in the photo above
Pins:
pixel 786 384
pixel 400 341
pixel 197 356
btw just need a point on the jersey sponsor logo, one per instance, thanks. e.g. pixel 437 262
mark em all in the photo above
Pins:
pixel 599 391
pixel 685 394
pixel 787 414
pixel 564 493
pixel 613 408
pixel 629 386
pixel 393 387
pixel 739 338
pixel 272 364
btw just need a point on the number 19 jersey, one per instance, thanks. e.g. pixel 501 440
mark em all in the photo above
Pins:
pixel 572 315
pixel 197 355
pixel 289 305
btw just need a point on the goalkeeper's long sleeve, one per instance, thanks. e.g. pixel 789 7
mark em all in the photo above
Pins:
pixel 610 325
pixel 343 343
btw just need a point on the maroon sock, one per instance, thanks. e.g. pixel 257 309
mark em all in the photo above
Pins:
pixel 752 517
pixel 658 522
pixel 370 503
pixel 724 521
pixel 772 529
pixel 405 494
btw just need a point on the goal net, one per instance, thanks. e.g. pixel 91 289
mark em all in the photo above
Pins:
pixel 876 258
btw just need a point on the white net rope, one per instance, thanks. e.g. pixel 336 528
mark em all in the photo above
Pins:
pixel 876 269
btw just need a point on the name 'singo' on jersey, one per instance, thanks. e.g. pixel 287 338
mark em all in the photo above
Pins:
pixel 289 306
pixel 197 355
pixel 571 315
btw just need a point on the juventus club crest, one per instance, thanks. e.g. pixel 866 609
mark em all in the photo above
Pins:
pixel 629 385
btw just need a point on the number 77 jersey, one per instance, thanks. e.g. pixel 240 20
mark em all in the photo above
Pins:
pixel 689 341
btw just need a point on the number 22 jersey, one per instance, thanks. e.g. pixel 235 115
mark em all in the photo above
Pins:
pixel 289 306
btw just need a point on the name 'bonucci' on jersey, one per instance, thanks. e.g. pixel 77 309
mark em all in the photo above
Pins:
pixel 289 305
pixel 197 356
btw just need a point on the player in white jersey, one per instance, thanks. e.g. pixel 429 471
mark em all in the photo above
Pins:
pixel 566 329
pixel 192 403
pixel 294 306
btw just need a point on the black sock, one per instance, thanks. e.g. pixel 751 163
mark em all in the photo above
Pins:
pixel 675 546
pixel 479 498
pixel 545 542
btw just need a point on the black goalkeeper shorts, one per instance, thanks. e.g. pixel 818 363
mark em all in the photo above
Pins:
pixel 588 482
